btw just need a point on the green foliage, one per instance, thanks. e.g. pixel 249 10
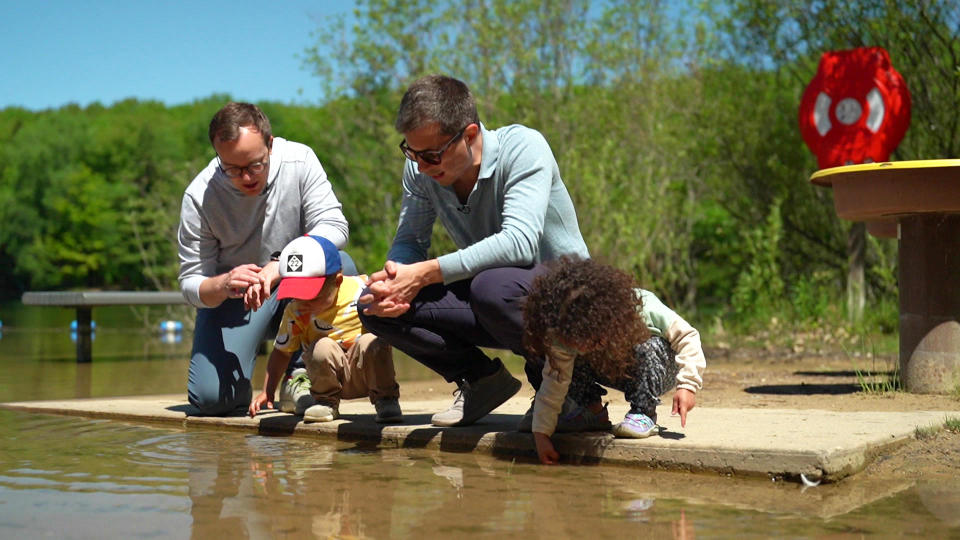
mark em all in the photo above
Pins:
pixel 760 289
pixel 90 197
pixel 717 239
pixel 811 296
pixel 674 125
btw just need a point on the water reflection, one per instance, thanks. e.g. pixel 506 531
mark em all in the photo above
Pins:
pixel 139 481
pixel 69 477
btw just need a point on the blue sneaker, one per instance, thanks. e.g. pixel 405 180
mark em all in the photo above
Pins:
pixel 636 426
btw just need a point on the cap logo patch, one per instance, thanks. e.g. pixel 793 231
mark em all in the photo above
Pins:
pixel 294 262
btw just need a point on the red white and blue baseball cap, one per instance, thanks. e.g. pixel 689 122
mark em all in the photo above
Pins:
pixel 304 266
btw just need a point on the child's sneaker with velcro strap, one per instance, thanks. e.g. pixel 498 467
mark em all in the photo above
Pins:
pixel 636 426
pixel 295 393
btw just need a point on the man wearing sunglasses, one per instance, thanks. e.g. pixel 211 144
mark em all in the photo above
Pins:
pixel 258 193
pixel 499 195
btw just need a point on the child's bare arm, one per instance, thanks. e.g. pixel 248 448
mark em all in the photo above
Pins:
pixel 545 451
pixel 276 365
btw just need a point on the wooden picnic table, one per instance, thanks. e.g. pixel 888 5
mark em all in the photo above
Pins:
pixel 85 301
pixel 921 199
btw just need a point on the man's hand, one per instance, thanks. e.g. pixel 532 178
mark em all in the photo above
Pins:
pixel 376 296
pixel 258 402
pixel 389 272
pixel 390 291
pixel 233 284
pixel 545 451
pixel 683 401
pixel 236 281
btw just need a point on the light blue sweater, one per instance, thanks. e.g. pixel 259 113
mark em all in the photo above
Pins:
pixel 519 212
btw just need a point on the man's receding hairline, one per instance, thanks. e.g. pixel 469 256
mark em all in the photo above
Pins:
pixel 252 128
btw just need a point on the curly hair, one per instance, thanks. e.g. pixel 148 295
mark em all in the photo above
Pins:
pixel 589 304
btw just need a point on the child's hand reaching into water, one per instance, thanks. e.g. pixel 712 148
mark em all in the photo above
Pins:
pixel 545 451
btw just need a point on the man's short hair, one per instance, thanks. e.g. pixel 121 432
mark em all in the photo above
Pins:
pixel 437 98
pixel 226 124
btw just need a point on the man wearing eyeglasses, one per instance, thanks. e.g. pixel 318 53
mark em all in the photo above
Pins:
pixel 258 193
pixel 499 195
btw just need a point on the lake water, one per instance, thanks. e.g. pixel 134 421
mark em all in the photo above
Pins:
pixel 66 477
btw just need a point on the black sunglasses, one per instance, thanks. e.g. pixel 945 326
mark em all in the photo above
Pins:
pixel 432 157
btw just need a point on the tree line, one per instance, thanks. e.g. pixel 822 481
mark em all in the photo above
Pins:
pixel 674 125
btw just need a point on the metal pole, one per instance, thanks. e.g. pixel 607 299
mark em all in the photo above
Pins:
pixel 84 338
pixel 930 303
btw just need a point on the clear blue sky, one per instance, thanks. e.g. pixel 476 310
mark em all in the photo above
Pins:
pixel 54 52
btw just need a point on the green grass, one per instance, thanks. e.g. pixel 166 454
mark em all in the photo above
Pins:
pixel 889 382
pixel 867 379
pixel 950 423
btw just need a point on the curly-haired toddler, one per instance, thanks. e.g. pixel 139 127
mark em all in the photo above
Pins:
pixel 588 317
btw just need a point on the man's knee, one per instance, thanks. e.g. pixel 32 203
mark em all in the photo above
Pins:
pixel 220 400
pixel 376 325
pixel 487 294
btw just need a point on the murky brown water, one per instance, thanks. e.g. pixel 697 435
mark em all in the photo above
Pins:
pixel 65 477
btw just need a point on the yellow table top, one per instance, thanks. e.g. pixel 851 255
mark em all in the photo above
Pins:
pixel 874 191
pixel 825 177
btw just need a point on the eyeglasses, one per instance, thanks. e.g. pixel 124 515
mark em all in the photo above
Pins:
pixel 237 172
pixel 432 157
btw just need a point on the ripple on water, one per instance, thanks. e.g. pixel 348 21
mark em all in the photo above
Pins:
pixel 75 454
pixel 109 478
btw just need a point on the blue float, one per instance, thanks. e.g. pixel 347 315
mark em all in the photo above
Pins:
pixel 171 326
pixel 73 336
pixel 73 325
pixel 171 337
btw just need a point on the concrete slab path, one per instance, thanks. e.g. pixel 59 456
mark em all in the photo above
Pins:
pixel 781 443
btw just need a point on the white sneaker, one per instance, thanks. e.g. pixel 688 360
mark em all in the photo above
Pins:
pixel 295 393
pixel 475 400
pixel 636 426
pixel 321 413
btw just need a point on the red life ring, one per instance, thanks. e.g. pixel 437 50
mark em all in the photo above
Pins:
pixel 856 109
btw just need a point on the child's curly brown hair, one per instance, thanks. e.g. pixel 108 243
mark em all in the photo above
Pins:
pixel 589 304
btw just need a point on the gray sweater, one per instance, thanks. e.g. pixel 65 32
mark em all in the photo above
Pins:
pixel 221 228
pixel 519 212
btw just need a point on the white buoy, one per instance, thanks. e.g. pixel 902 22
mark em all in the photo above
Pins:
pixel 171 326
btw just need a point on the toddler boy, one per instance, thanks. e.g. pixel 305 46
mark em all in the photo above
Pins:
pixel 342 360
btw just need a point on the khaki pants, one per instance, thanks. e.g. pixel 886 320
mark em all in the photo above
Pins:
pixel 366 369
